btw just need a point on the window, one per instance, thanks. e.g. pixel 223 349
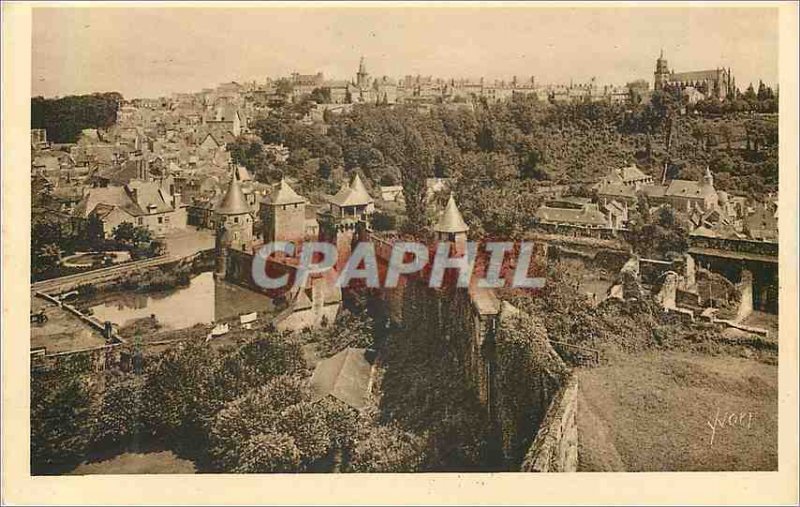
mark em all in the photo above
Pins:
pixel 161 220
pixel 140 221
pixel 236 220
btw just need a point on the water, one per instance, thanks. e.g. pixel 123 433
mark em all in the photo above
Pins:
pixel 203 301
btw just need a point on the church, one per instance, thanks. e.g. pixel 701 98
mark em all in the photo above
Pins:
pixel 716 83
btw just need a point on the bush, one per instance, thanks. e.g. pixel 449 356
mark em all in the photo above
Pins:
pixel 120 416
pixel 61 415
pixel 388 449
pixel 268 452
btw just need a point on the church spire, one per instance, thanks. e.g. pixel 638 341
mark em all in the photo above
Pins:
pixel 708 178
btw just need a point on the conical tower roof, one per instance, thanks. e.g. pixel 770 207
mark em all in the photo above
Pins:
pixel 234 202
pixel 359 189
pixel 283 194
pixel 451 220
pixel 354 195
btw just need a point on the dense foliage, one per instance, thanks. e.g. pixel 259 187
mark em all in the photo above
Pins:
pixel 500 154
pixel 64 118
pixel 61 415
pixel 528 374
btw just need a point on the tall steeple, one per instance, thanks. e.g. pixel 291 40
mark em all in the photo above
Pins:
pixel 662 72
pixel 362 77
pixel 708 178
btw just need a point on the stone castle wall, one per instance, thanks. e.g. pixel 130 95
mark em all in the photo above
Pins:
pixel 555 448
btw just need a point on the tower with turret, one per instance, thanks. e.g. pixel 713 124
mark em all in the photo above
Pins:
pixel 451 228
pixel 349 214
pixel 233 221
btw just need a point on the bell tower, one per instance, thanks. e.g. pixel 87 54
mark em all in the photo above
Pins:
pixel 661 74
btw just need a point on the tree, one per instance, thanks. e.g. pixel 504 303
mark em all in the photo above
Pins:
pixel 268 453
pixel 388 449
pixel 284 87
pixel 46 257
pixel 750 94
pixel 61 414
pixel 132 235
pixel 306 423
pixel 414 170
pixel 321 95
pixel 254 413
pixel 661 235
pixel 120 416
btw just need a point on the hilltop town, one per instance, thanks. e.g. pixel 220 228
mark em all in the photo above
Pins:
pixel 653 206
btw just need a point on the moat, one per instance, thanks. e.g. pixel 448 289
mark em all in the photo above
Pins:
pixel 203 301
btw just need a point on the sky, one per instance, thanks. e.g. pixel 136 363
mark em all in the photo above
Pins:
pixel 150 52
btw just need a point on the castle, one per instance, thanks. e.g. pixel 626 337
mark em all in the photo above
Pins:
pixel 467 318
pixel 718 83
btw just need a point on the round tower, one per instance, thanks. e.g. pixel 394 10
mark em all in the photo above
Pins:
pixel 233 215
pixel 451 227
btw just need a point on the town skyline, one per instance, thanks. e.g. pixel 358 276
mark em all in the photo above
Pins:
pixel 568 45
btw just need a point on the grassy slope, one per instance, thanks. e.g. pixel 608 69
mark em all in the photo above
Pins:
pixel 649 412
pixel 163 462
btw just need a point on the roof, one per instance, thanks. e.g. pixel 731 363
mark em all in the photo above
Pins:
pixel 243 173
pixel 149 199
pixel 688 188
pixel 625 175
pixel 234 202
pixel 354 195
pixel 345 376
pixel 283 194
pixel 451 220
pixel 654 190
pixel 149 196
pixel 704 232
pixel 616 189
pixel 632 173
pixel 114 196
pixel 484 300
pixel 698 75
pixel 589 215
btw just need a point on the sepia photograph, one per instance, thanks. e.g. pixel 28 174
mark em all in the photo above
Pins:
pixel 465 240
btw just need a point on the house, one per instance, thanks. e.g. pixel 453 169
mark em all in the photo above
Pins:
pixel 683 195
pixel 434 185
pixel 762 224
pixel 588 217
pixel 616 191
pixel 210 143
pixel 144 203
pixel 391 193
pixel 617 213
pixel 630 176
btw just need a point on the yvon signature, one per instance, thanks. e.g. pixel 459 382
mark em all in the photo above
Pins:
pixel 732 420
